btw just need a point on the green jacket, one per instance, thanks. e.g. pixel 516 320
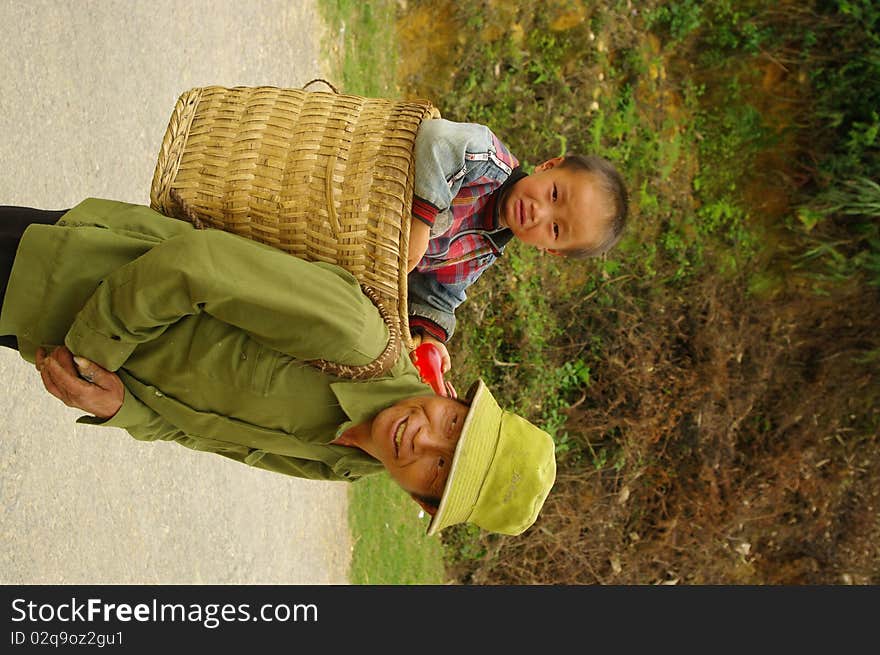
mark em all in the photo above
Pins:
pixel 209 332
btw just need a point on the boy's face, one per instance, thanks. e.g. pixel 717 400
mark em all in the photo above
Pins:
pixel 556 208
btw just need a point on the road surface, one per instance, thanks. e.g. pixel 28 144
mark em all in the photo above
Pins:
pixel 88 87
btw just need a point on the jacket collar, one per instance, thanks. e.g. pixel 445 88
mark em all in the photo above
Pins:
pixel 362 400
pixel 494 204
pixel 500 237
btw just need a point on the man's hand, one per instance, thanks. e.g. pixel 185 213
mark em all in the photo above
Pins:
pixel 419 235
pixel 93 389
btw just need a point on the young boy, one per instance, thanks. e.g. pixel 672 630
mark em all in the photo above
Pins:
pixel 471 198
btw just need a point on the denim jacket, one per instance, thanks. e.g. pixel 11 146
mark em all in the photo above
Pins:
pixel 461 170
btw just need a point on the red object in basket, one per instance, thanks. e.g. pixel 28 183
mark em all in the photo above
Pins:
pixel 430 365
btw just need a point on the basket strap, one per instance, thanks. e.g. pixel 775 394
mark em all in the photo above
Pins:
pixel 180 209
pixel 323 81
pixel 379 366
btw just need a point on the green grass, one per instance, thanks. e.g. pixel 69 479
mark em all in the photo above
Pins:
pixel 360 43
pixel 390 545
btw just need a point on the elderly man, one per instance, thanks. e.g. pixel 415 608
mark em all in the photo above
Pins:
pixel 209 339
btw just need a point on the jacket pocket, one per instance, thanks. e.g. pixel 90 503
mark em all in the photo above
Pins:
pixel 231 357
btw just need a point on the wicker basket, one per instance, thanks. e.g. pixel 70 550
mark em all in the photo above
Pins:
pixel 323 176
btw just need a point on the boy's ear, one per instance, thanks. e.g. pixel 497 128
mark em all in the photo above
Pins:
pixel 550 163
pixel 428 507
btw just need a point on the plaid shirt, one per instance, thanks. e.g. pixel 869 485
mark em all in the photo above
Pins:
pixel 462 170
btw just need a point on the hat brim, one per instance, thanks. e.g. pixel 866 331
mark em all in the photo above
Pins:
pixel 473 456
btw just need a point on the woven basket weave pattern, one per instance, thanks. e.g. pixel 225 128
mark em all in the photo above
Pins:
pixel 324 176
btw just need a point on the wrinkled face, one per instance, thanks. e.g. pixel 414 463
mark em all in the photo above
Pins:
pixel 415 440
pixel 557 208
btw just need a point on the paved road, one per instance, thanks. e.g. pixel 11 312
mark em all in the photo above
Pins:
pixel 88 87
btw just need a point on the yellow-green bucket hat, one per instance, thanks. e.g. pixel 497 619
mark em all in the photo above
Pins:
pixel 502 470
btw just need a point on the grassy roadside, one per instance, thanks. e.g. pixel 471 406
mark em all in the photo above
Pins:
pixel 388 533
pixel 360 45
pixel 711 384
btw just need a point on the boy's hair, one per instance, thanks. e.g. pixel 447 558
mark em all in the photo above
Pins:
pixel 611 182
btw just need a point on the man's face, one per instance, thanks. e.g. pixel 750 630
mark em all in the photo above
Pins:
pixel 556 208
pixel 415 440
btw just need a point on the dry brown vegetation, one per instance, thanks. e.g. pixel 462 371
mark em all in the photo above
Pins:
pixel 744 450
pixel 728 432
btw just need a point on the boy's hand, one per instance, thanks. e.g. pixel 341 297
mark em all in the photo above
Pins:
pixel 444 353
pixel 419 235
pixel 79 383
